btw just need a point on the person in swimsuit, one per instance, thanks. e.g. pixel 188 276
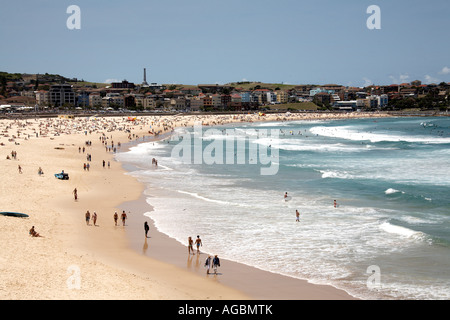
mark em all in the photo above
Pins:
pixel 94 217
pixel 199 243
pixel 88 217
pixel 190 243
pixel 124 217
pixel 116 216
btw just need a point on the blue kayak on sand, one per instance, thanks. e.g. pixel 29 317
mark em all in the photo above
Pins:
pixel 14 214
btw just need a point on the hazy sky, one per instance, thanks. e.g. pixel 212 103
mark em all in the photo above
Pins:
pixel 211 41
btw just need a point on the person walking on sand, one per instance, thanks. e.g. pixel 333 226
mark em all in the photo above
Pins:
pixel 88 217
pixel 198 243
pixel 19 168
pixel 116 216
pixel 208 264
pixel 216 263
pixel 146 228
pixel 75 194
pixel 124 217
pixel 190 243
pixel 94 218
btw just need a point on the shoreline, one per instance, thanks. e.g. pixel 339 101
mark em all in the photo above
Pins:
pixel 256 283
pixel 108 266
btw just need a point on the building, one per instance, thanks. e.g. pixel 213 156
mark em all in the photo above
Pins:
pixel 129 101
pixel 95 100
pixel 216 101
pixel 323 98
pixel 346 105
pixel 178 103
pixel 113 100
pixel 316 91
pixel 196 103
pixel 61 94
pixel 42 98
pixel 282 96
pixel 245 97
pixel 383 100
pixel 225 101
pixel 149 101
pixel 82 99
pixel 236 102
pixel 123 85
pixel 271 97
pixel 207 102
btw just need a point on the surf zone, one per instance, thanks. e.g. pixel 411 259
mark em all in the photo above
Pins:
pixel 228 146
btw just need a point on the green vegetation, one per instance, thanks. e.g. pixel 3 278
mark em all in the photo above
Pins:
pixel 247 85
pixel 429 102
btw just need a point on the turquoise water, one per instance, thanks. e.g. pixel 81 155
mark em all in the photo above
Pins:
pixel 390 178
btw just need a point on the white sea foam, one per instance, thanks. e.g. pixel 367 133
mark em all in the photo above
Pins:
pixel 349 133
pixel 392 191
pixel 301 145
pixel 402 231
pixel 336 174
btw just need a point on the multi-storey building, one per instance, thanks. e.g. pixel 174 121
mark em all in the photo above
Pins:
pixel 42 98
pixel 95 100
pixel 61 94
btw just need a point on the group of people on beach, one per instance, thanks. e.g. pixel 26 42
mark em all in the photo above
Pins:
pixel 94 216
pixel 210 262
pixel 88 218
pixel 123 217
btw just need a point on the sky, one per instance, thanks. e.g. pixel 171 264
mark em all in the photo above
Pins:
pixel 211 41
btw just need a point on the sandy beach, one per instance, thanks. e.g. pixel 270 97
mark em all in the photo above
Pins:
pixel 73 260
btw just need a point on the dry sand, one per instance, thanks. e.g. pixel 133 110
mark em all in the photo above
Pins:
pixel 76 261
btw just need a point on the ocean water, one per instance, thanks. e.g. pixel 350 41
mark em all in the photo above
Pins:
pixel 388 238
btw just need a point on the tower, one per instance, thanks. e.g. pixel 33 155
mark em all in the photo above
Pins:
pixel 144 83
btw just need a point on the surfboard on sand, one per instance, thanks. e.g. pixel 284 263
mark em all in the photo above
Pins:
pixel 14 214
